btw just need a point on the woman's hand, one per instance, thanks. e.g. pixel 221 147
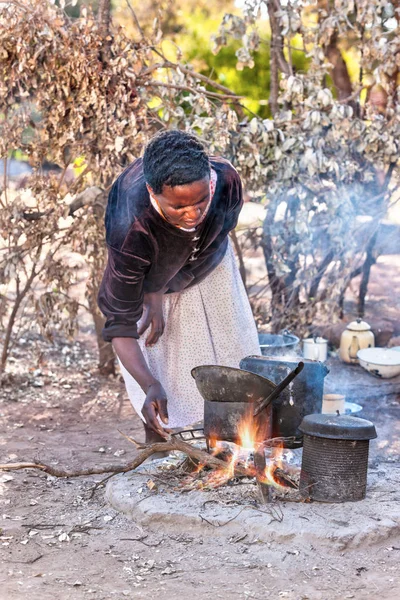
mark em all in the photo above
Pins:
pixel 152 315
pixel 156 405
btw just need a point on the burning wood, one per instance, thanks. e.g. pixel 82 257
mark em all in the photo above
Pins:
pixel 227 462
pixel 246 455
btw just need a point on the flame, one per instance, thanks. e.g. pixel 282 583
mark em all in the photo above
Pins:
pixel 275 462
pixel 275 471
pixel 242 452
pixel 247 433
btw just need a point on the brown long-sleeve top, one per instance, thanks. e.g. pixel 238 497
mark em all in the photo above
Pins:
pixel 148 254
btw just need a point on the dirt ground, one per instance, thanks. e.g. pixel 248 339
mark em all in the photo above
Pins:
pixel 59 543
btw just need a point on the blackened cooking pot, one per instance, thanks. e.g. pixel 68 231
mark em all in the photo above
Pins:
pixel 230 398
pixel 302 397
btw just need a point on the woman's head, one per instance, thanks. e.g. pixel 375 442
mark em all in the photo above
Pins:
pixel 177 173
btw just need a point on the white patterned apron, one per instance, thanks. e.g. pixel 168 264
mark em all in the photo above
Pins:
pixel 210 323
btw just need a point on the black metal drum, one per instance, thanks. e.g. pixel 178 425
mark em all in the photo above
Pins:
pixel 335 457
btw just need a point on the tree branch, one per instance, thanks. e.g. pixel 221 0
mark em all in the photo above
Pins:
pixel 104 15
pixel 172 443
pixel 170 65
pixel 187 88
pixel 340 74
pixel 276 36
pixel 136 20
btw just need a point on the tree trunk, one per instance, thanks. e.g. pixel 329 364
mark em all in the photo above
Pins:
pixel 20 295
pixel 106 353
pixel 277 57
pixel 104 19
pixel 321 272
pixel 274 81
pixel 366 271
pixel 106 363
pixel 340 74
pixel 276 284
pixel 239 254
pixel 104 15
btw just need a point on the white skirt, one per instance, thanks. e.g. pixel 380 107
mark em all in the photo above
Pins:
pixel 210 323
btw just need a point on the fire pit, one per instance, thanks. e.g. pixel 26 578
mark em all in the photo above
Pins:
pixel 238 408
pixel 186 490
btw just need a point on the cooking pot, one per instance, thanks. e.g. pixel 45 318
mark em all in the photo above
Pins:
pixel 302 397
pixel 272 344
pixel 230 397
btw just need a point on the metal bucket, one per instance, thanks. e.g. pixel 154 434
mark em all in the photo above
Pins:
pixel 223 420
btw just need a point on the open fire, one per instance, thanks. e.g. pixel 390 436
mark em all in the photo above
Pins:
pixel 260 461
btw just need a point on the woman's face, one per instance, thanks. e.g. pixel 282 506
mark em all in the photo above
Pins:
pixel 184 205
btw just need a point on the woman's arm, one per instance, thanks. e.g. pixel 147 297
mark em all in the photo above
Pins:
pixel 130 354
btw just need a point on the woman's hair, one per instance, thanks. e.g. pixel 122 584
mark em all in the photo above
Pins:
pixel 174 158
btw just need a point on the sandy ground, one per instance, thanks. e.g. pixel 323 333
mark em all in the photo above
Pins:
pixel 58 543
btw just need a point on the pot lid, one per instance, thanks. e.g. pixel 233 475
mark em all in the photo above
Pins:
pixel 358 325
pixel 338 427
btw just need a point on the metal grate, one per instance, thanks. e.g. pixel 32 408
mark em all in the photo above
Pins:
pixel 189 435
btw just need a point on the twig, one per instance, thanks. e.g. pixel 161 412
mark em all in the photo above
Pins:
pixel 141 540
pixel 43 525
pixel 25 562
pixel 226 522
pixel 187 88
pixel 138 445
pixel 276 513
pixel 62 176
pixel 100 483
pixel 136 20
pixel 170 65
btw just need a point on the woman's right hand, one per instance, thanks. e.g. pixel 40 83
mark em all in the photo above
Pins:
pixel 155 406
pixel 152 315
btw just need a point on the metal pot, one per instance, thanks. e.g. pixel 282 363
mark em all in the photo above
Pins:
pixel 381 362
pixel 335 457
pixel 279 344
pixel 230 396
pixel 303 396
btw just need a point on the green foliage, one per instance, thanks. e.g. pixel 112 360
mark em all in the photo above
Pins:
pixel 194 30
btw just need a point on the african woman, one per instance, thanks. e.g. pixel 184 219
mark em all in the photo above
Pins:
pixel 171 272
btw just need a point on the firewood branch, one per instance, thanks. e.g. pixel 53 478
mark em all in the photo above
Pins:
pixel 146 450
pixel 88 197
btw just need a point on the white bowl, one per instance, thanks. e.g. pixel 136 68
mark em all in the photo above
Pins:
pixel 381 362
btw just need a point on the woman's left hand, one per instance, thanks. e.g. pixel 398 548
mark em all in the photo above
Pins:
pixel 152 315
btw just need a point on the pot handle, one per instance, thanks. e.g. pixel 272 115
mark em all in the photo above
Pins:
pixel 354 348
pixel 285 332
pixel 279 388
